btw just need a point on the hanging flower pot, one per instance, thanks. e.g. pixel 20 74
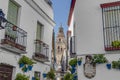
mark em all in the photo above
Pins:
pixel 25 69
pixel 14 28
pixel 30 67
pixel 73 66
pixel 73 70
pixel 44 75
pixel 21 65
pixel 33 78
pixel 108 66
pixel 75 77
pixel 79 63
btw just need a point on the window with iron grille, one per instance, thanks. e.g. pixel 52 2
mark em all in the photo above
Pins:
pixel 111 25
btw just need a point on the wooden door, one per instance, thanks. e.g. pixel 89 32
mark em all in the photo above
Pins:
pixel 6 72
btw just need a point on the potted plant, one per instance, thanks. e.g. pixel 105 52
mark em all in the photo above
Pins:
pixel 116 64
pixel 23 61
pixel 79 61
pixel 44 75
pixel 108 65
pixel 68 76
pixel 99 58
pixel 20 76
pixel 30 64
pixel 73 70
pixel 25 69
pixel 73 62
pixel 51 74
pixel 35 78
pixel 75 77
pixel 116 43
pixel 26 63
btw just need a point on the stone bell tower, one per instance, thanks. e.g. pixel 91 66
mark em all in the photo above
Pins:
pixel 60 45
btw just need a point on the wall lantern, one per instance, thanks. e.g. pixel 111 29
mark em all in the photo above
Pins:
pixel 2 19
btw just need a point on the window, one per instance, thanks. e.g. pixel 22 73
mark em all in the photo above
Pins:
pixel 39 31
pixel 13 12
pixel 39 37
pixel 58 48
pixel 111 24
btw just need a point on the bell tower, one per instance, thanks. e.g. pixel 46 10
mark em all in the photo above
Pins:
pixel 60 45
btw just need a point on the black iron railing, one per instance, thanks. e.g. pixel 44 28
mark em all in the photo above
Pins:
pixel 15 36
pixel 41 50
pixel 111 29
pixel 72 46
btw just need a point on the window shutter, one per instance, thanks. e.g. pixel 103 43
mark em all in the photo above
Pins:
pixel 39 31
pixel 12 13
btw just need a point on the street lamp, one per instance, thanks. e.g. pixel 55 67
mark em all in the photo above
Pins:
pixel 2 19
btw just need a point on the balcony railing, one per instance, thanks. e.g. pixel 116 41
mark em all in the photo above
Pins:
pixel 41 51
pixel 72 47
pixel 15 38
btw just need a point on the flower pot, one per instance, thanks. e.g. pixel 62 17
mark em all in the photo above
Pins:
pixel 75 77
pixel 79 63
pixel 21 65
pixel 44 75
pixel 73 70
pixel 14 28
pixel 33 78
pixel 30 67
pixel 73 66
pixel 108 66
pixel 26 69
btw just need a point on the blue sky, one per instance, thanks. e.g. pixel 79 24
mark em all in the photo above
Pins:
pixel 61 12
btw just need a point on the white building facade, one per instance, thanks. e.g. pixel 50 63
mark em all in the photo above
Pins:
pixel 33 23
pixel 95 25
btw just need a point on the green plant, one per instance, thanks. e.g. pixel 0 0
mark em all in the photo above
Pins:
pixel 28 63
pixel 37 78
pixel 73 62
pixel 99 58
pixel 68 76
pixel 20 76
pixel 24 59
pixel 51 74
pixel 79 59
pixel 116 64
pixel 116 43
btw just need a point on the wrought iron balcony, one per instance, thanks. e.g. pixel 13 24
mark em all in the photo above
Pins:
pixel 14 39
pixel 41 51
pixel 72 47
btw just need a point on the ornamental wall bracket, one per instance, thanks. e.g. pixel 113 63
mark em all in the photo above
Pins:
pixel 89 67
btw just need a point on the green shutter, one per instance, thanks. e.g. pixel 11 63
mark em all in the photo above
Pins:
pixel 12 12
pixel 39 31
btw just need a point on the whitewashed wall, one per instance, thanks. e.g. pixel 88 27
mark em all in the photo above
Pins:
pixel 102 73
pixel 28 22
pixel 89 37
